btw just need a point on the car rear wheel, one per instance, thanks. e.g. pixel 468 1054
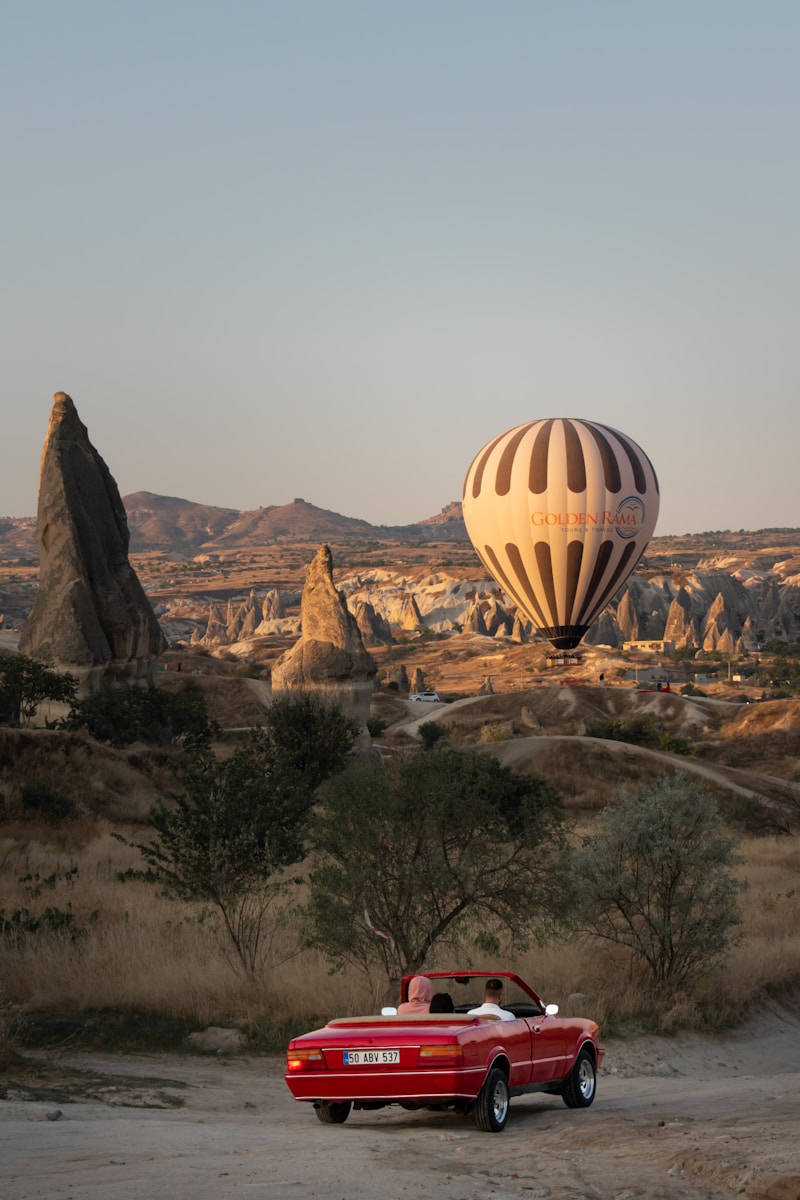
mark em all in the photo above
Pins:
pixel 491 1106
pixel 580 1087
pixel 332 1113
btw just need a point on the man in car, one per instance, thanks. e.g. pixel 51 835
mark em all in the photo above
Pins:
pixel 492 1001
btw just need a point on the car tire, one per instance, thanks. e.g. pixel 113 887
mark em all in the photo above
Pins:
pixel 491 1106
pixel 581 1084
pixel 332 1113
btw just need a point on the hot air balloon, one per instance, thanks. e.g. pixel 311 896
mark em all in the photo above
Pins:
pixel 560 512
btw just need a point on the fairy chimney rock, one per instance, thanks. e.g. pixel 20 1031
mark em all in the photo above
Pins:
pixel 329 659
pixel 90 615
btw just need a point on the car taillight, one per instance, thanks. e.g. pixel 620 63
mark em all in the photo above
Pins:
pixel 305 1060
pixel 440 1056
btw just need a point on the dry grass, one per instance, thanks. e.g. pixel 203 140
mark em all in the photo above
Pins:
pixel 765 960
pixel 119 785
pixel 586 773
pixel 140 950
pixel 143 952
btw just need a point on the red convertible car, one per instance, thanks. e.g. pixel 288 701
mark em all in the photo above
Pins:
pixel 448 1059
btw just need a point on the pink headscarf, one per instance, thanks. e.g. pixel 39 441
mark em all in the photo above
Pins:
pixel 420 991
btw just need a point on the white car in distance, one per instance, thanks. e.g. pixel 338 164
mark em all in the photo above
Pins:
pixel 429 697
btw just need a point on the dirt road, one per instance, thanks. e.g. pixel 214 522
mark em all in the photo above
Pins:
pixel 690 1118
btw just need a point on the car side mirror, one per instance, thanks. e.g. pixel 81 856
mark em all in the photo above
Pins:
pixel 551 1010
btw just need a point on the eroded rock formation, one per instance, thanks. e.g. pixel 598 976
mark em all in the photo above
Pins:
pixel 375 629
pixel 329 658
pixel 216 632
pixel 90 615
pixel 418 683
pixel 396 678
pixel 473 620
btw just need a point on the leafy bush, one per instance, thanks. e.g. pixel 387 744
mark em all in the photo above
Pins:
pixel 376 726
pixel 129 713
pixel 656 876
pixel 641 731
pixel 431 733
pixel 673 744
pixel 495 733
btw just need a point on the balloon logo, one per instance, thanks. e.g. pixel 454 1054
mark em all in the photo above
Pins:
pixel 560 512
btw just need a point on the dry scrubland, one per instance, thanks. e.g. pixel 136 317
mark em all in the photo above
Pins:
pixel 141 952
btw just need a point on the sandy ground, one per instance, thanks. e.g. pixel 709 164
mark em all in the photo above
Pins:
pixel 684 1117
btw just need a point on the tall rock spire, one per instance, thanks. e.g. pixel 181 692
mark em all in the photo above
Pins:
pixel 329 659
pixel 90 610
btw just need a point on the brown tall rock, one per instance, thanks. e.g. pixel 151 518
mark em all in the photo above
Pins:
pixel 329 659
pixel 90 615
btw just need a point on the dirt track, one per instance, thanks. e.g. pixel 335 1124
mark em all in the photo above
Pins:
pixel 675 1118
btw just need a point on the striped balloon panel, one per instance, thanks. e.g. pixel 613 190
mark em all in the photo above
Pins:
pixel 560 512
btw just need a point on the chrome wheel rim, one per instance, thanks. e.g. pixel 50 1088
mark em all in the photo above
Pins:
pixel 586 1079
pixel 500 1101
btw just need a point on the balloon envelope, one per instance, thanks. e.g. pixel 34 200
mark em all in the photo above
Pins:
pixel 560 512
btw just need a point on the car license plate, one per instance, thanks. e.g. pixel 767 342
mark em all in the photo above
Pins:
pixel 370 1058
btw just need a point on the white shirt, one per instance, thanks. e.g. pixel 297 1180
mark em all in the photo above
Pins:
pixel 492 1010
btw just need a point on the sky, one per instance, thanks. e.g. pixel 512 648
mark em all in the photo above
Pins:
pixel 329 248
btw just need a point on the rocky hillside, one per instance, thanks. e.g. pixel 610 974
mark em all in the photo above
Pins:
pixel 730 592
pixel 706 609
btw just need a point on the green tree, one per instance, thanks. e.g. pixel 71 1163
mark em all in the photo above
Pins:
pixel 309 739
pixel 439 848
pixel 656 876
pixel 25 683
pixel 235 827
pixel 126 713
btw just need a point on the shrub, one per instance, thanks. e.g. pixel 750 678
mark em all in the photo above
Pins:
pixel 657 878
pixel 22 925
pixel 495 733
pixel 125 714
pixel 431 733
pixel 673 744
pixel 641 731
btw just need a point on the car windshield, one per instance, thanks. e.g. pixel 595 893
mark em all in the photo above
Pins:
pixel 467 993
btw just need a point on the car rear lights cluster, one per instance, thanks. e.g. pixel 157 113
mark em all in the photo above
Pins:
pixel 304 1060
pixel 440 1056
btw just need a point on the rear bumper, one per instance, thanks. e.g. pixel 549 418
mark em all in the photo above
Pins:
pixel 389 1086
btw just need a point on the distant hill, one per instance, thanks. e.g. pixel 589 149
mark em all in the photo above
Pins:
pixel 165 522
pixel 295 522
pixel 185 527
